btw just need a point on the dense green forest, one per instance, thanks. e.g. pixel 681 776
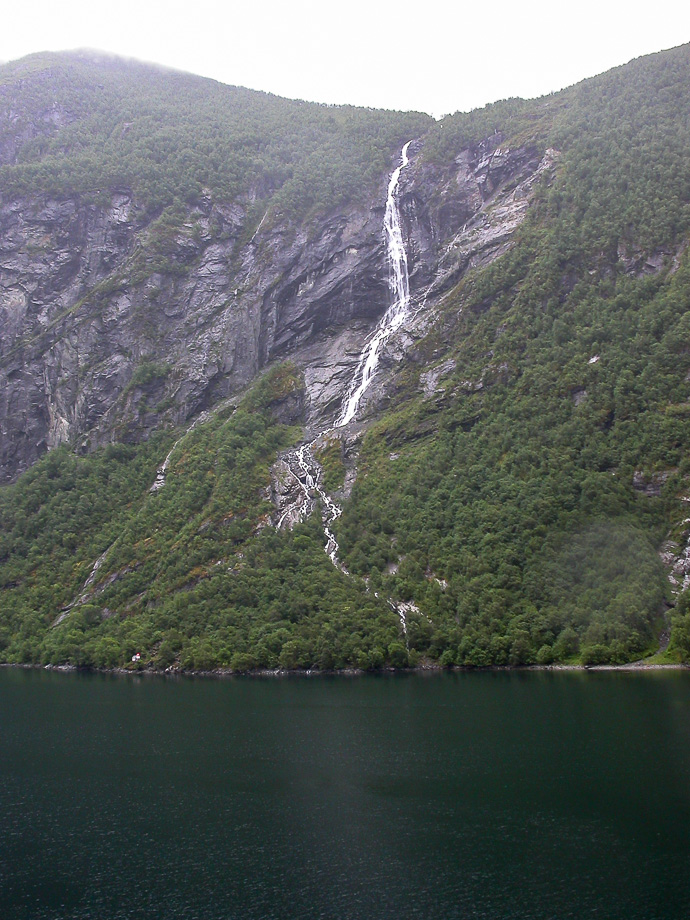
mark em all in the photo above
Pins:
pixel 192 574
pixel 506 507
pixel 88 124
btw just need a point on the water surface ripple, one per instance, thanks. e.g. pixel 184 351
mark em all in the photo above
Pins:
pixel 488 795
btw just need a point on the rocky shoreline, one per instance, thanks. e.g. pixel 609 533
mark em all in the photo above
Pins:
pixel 427 669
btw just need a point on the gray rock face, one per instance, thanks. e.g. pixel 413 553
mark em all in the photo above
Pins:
pixel 113 322
pixel 466 218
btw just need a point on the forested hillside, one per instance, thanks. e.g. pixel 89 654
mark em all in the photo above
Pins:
pixel 85 124
pixel 517 493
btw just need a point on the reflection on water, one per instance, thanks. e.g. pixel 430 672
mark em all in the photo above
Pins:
pixel 497 795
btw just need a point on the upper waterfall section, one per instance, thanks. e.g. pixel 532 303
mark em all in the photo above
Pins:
pixel 394 316
pixel 397 255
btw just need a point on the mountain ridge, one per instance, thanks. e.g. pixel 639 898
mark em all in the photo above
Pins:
pixel 519 463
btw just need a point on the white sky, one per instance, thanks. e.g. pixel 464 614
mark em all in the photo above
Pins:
pixel 437 56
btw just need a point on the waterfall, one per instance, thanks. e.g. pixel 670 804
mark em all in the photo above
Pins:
pixel 300 461
pixel 394 316
pixel 331 511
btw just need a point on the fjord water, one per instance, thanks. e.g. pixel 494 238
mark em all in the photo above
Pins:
pixel 497 795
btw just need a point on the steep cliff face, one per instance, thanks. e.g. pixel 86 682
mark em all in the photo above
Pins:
pixel 104 338
pixel 114 323
pixel 464 217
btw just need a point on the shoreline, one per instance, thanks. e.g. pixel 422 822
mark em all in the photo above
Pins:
pixel 430 669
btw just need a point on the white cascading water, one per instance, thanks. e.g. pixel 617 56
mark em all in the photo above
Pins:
pixel 331 510
pixel 394 316
pixel 308 481
pixel 308 470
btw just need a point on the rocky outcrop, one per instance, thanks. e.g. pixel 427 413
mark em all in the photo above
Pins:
pixel 465 218
pixel 114 321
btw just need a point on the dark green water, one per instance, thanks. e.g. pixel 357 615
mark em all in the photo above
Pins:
pixel 497 795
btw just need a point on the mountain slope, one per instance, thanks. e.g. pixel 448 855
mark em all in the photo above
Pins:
pixel 517 487
pixel 156 226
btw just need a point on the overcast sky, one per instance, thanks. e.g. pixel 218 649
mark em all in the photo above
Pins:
pixel 437 56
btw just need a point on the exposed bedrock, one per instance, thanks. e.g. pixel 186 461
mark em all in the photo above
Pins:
pixel 114 321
